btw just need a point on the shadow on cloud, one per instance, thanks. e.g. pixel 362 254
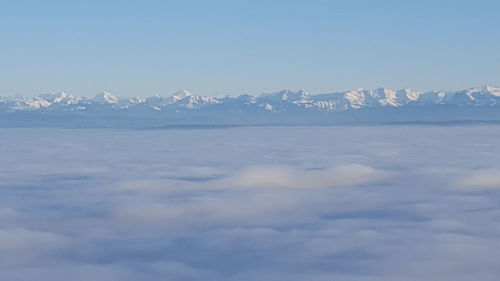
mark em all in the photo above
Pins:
pixel 251 204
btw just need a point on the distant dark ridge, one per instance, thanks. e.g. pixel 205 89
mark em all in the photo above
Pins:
pixel 192 127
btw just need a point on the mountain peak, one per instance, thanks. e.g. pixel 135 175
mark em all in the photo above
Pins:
pixel 182 94
pixel 488 88
pixel 285 95
pixel 281 101
pixel 57 97
pixel 106 97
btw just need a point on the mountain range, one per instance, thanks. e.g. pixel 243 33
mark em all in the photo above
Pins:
pixel 286 107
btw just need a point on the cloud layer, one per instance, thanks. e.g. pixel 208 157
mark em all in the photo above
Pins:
pixel 288 177
pixel 312 203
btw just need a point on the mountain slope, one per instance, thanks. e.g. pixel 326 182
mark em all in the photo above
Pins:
pixel 282 107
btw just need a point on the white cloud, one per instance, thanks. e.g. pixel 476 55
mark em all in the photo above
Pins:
pixel 288 177
pixel 250 204
pixel 19 246
pixel 481 179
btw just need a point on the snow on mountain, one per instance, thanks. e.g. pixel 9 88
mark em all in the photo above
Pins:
pixel 180 95
pixel 484 96
pixel 136 100
pixel 183 97
pixel 245 99
pixel 405 96
pixel 106 98
pixel 281 101
pixel 286 95
pixel 357 98
pixel 431 98
pixel 30 104
pixel 386 97
pixel 61 97
pixel 268 107
pixel 495 91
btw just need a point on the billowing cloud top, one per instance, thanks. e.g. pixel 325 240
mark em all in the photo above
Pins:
pixel 350 203
pixel 288 177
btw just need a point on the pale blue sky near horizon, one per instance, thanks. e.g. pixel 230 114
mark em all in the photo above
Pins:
pixel 141 48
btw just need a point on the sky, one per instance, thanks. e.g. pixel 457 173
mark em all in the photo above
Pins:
pixel 142 48
pixel 385 203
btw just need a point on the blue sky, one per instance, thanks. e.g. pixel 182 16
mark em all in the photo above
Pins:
pixel 140 48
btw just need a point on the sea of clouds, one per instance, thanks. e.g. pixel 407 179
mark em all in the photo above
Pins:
pixel 394 203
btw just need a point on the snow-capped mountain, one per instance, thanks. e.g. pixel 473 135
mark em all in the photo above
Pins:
pixel 106 98
pixel 282 103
